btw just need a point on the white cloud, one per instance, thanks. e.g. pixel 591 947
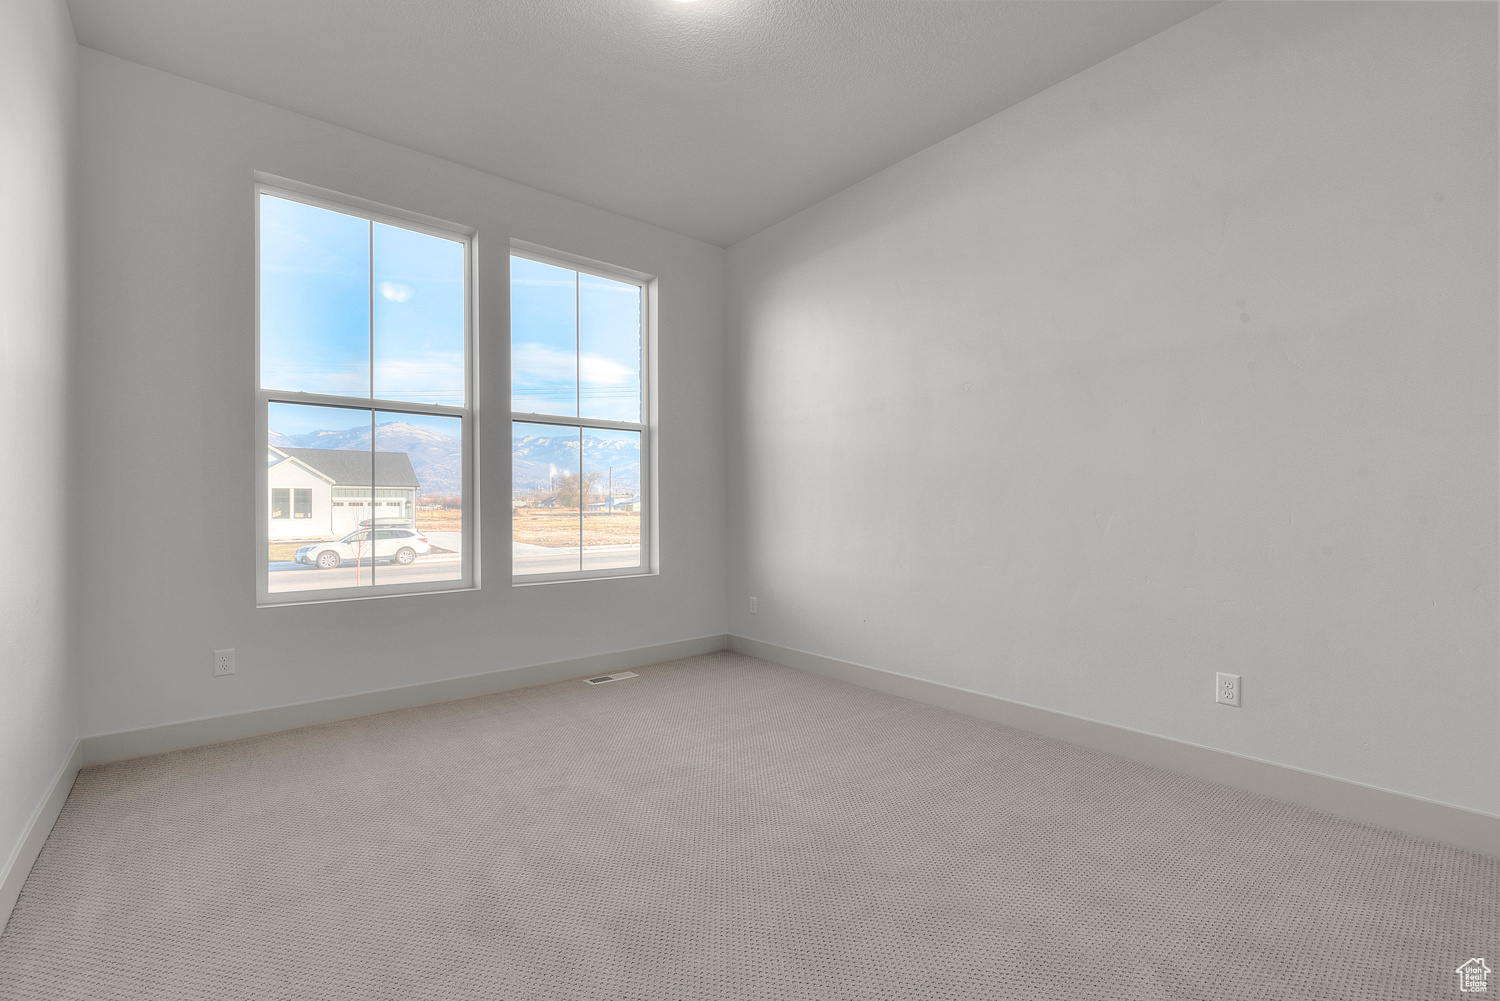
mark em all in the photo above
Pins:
pixel 539 362
pixel 431 378
pixel 600 371
pixel 395 292
pixel 545 364
pixel 351 379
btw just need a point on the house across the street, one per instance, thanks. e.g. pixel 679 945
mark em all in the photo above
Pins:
pixel 628 505
pixel 319 493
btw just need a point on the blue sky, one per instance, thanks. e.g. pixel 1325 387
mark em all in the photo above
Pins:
pixel 316 290
pixel 565 326
pixel 576 337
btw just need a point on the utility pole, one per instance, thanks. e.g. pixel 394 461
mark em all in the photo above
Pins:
pixel 611 504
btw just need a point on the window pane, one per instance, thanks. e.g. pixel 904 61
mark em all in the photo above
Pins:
pixel 612 508
pixel 609 349
pixel 545 501
pixel 419 486
pixel 544 338
pixel 314 299
pixel 321 455
pixel 419 317
pixel 280 502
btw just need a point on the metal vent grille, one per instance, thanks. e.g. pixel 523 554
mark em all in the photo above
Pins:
pixel 606 678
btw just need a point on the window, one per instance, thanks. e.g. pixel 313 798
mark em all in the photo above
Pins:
pixel 363 335
pixel 580 441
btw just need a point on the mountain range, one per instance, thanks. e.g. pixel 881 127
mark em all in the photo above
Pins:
pixel 438 459
pixel 534 457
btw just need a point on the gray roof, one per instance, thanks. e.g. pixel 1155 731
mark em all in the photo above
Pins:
pixel 350 468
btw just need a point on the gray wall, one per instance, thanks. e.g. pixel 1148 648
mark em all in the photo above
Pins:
pixel 1187 364
pixel 166 330
pixel 38 680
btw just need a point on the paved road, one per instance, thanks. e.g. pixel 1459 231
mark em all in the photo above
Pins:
pixel 528 559
pixel 300 577
pixel 453 542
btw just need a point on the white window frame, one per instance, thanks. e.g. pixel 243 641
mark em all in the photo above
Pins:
pixel 649 565
pixel 280 187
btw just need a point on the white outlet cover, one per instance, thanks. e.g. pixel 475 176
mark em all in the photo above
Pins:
pixel 1227 689
pixel 754 606
pixel 223 663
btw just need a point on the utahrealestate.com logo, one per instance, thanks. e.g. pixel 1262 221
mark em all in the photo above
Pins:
pixel 1474 977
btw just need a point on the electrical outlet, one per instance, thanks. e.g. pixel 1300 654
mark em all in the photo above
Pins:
pixel 1227 691
pixel 754 610
pixel 223 663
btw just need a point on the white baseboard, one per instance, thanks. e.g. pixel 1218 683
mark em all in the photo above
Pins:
pixel 34 834
pixel 214 729
pixel 1441 822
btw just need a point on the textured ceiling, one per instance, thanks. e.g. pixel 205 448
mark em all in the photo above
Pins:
pixel 714 119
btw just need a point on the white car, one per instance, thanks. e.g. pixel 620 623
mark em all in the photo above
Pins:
pixel 396 545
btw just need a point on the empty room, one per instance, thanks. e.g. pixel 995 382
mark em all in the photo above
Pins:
pixel 728 499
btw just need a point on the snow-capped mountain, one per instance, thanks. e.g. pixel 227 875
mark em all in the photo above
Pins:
pixel 438 459
pixel 534 457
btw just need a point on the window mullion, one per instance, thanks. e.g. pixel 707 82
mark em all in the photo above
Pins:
pixel 578 401
pixel 370 292
pixel 370 295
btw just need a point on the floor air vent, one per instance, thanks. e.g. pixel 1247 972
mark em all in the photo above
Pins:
pixel 607 678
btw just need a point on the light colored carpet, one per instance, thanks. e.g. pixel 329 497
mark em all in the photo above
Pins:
pixel 718 828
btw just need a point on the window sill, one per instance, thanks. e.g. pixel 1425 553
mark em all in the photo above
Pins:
pixel 300 602
pixel 522 582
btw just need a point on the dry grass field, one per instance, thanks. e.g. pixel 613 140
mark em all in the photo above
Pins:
pixel 284 550
pixel 556 529
pixel 443 519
